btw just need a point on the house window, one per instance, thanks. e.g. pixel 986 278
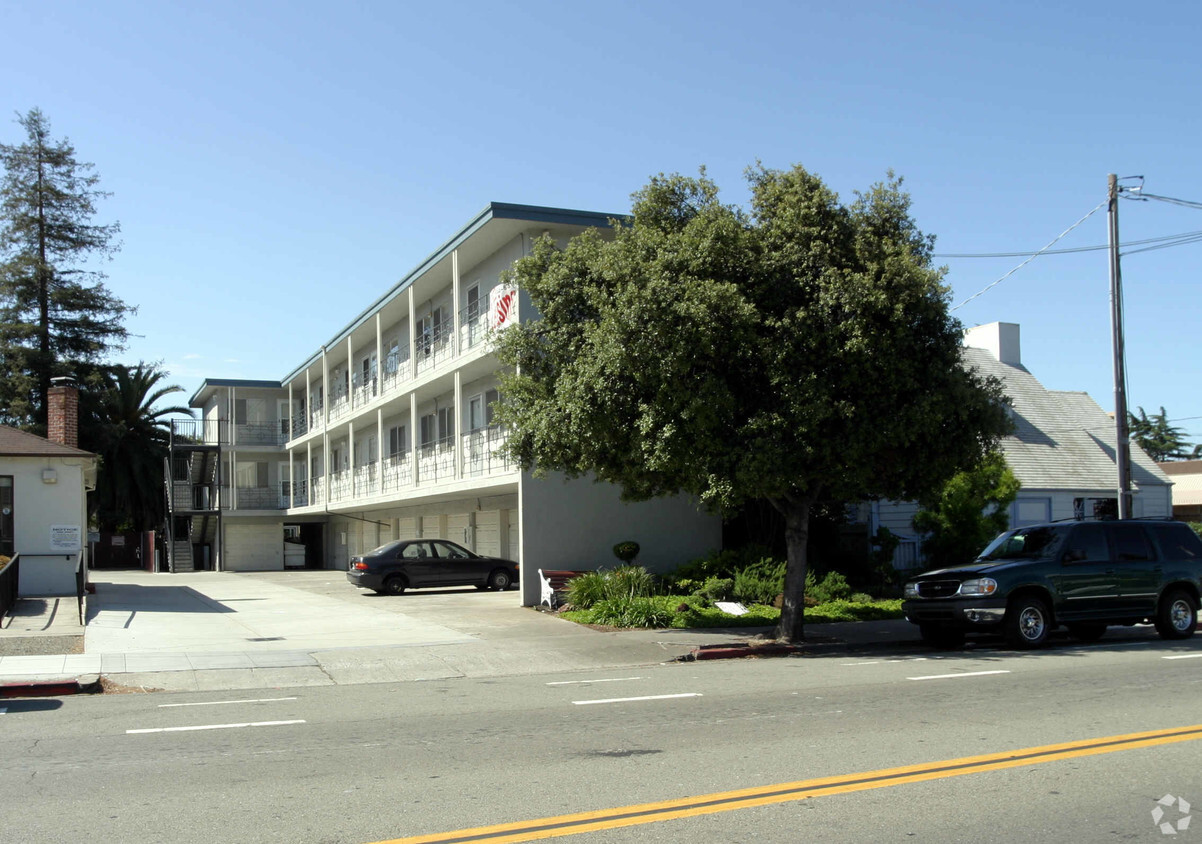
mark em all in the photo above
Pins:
pixel 7 541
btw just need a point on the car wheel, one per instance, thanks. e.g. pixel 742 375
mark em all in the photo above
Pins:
pixel 499 580
pixel 943 638
pixel 1177 615
pixel 1087 632
pixel 1028 622
pixel 395 585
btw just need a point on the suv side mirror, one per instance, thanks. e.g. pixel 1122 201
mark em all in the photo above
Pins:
pixel 1074 555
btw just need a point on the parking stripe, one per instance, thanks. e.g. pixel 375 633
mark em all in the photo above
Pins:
pixel 629 699
pixel 224 702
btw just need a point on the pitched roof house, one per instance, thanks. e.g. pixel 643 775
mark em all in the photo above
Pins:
pixel 1061 450
pixel 43 497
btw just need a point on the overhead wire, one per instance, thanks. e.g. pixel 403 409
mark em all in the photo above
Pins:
pixel 1185 237
pixel 1053 242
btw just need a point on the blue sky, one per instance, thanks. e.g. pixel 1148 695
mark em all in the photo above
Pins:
pixel 276 166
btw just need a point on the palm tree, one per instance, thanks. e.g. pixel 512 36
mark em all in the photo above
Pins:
pixel 132 436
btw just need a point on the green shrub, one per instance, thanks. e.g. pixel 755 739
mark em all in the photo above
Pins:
pixel 626 551
pixel 759 583
pixel 638 611
pixel 832 587
pixel 629 582
pixel 718 564
pixel 586 589
pixel 715 589
pixel 1197 527
pixel 861 598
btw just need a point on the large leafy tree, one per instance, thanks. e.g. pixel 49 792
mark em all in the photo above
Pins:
pixel 124 422
pixel 799 350
pixel 967 512
pixel 1161 440
pixel 55 312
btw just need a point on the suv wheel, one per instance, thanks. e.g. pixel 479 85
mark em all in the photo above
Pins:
pixel 943 638
pixel 1177 615
pixel 1028 622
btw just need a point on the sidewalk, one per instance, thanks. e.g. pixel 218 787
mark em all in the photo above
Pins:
pixel 216 631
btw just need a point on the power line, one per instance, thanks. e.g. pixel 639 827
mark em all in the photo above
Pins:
pixel 1185 237
pixel 1186 203
pixel 1034 256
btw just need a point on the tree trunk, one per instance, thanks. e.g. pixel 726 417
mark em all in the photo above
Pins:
pixel 797 536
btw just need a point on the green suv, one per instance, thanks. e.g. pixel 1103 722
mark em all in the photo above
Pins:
pixel 1083 575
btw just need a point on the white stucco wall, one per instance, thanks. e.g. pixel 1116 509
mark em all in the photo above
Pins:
pixel 575 524
pixel 37 506
pixel 253 546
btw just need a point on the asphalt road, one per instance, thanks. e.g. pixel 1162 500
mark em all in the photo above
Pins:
pixel 381 762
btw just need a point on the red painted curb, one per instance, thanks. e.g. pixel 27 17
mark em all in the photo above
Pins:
pixel 740 651
pixel 51 689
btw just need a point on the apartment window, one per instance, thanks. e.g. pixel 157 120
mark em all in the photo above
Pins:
pixel 491 397
pixel 252 475
pixel 446 424
pixel 372 451
pixel 394 356
pixel 473 303
pixel 428 430
pixel 396 441
pixel 475 413
pixel 431 330
pixel 314 466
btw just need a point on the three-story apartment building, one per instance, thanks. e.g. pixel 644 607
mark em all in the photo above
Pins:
pixel 386 432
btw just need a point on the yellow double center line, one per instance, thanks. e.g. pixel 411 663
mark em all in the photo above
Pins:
pixel 726 801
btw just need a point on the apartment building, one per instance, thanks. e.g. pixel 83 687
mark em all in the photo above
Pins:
pixel 386 432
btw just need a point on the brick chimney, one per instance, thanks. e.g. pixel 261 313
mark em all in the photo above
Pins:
pixel 62 412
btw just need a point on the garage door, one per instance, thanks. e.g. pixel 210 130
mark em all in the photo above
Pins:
pixel 457 529
pixel 407 528
pixel 253 548
pixel 515 539
pixel 488 533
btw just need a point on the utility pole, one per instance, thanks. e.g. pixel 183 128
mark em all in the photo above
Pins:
pixel 1122 445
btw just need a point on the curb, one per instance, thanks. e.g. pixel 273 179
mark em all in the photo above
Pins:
pixel 87 684
pixel 741 651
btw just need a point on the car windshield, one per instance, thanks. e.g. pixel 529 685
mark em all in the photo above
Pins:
pixel 1035 543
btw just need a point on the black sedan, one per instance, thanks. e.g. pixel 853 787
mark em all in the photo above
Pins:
pixel 397 566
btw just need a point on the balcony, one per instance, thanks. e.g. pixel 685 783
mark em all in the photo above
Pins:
pixel 363 392
pixel 436 462
pixel 259 433
pixel 341 486
pixel 255 498
pixel 340 406
pixel 365 480
pixel 484 452
pixel 473 326
pixel 398 472
pixel 396 370
pixel 433 348
pixel 185 432
pixel 300 424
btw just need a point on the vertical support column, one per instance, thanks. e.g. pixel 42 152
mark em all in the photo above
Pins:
pixel 291 479
pixel 457 416
pixel 232 403
pixel 412 338
pixel 350 452
pixel 380 450
pixel 308 399
pixel 289 411
pixel 413 428
pixel 311 498
pixel 455 302
pixel 379 356
pixel 350 377
pixel 325 394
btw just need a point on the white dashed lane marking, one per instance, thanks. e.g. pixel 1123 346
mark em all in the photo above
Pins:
pixel 956 676
pixel 213 727
pixel 588 682
pixel 225 702
pixel 631 699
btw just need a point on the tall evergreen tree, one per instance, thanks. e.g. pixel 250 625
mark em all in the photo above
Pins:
pixel 56 315
pixel 1158 438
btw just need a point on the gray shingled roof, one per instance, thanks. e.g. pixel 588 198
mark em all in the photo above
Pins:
pixel 15 443
pixel 1062 440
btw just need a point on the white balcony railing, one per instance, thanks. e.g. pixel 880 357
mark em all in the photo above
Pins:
pixel 484 452
pixel 365 480
pixel 398 472
pixel 397 370
pixel 341 485
pixel 436 462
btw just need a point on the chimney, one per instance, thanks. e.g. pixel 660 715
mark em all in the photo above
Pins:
pixel 999 339
pixel 62 412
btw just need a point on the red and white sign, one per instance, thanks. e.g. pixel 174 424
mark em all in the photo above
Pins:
pixel 502 306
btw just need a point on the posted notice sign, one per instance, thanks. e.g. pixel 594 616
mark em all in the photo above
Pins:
pixel 65 537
